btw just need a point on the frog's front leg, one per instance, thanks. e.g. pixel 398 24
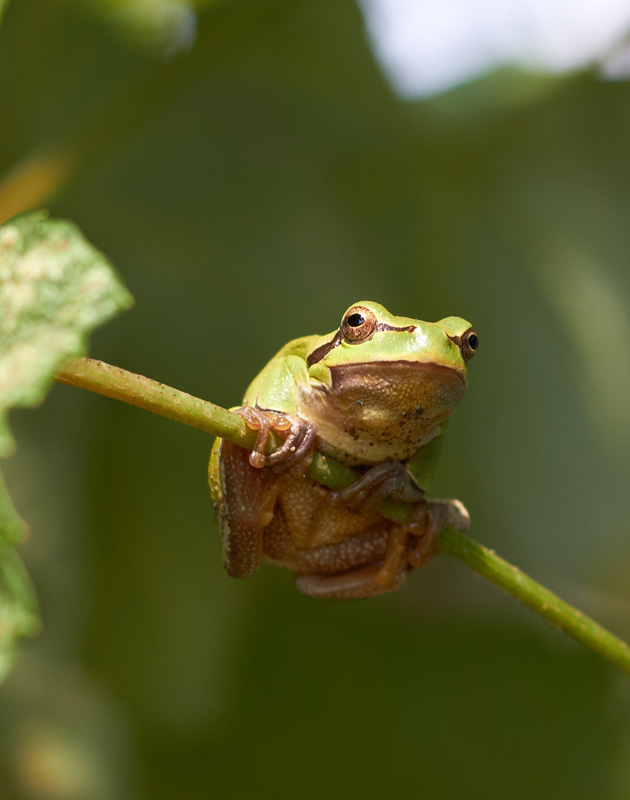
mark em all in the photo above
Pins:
pixel 298 435
pixel 388 479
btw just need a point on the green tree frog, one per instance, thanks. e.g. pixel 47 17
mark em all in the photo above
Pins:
pixel 373 394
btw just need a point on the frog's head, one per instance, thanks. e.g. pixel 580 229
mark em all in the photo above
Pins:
pixel 389 376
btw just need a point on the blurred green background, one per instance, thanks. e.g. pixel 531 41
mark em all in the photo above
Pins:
pixel 249 188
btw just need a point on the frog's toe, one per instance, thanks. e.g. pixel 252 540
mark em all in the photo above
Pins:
pixel 457 515
pixel 298 436
pixel 260 421
pixel 297 447
pixel 430 520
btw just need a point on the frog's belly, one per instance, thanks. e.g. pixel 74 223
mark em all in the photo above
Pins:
pixel 376 412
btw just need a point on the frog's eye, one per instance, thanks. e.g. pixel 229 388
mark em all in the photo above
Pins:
pixel 358 324
pixel 469 344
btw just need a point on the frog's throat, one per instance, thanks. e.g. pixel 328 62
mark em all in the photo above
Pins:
pixel 378 410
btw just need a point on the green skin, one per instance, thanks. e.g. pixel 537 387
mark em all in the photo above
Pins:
pixel 373 394
pixel 351 416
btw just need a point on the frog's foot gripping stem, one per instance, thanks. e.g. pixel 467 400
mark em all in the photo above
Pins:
pixel 389 479
pixel 298 435
pixel 429 521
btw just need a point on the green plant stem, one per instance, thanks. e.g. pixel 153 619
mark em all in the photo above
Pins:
pixel 119 384
pixel 96 376
pixel 535 596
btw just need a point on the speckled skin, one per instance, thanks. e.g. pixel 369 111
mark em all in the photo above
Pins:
pixel 372 392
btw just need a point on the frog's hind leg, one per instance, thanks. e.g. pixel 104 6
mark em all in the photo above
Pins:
pixel 249 497
pixel 386 549
pixel 406 546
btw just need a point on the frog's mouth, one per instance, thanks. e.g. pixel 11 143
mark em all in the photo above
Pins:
pixel 401 370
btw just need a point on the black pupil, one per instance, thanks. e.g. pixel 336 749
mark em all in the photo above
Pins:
pixel 473 342
pixel 354 320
